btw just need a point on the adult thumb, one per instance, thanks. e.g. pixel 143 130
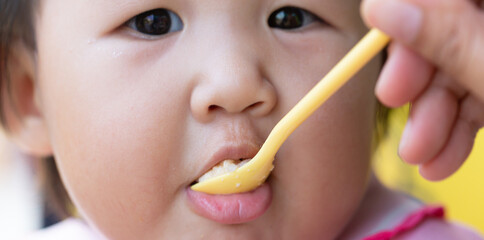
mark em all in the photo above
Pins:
pixel 448 33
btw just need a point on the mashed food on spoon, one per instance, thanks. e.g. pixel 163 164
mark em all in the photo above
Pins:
pixel 222 168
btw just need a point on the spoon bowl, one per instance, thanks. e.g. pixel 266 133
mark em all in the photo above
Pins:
pixel 256 171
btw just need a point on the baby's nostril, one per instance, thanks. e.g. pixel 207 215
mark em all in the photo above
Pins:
pixel 255 105
pixel 212 107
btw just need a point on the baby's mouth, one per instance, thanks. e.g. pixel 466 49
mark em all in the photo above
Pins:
pixel 226 166
pixel 229 208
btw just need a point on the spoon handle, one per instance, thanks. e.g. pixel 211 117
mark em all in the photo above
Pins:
pixel 370 45
pixel 254 173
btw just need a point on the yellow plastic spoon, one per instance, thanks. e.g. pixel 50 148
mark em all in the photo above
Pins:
pixel 255 172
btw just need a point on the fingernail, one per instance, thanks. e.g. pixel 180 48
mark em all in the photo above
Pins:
pixel 399 19
pixel 404 140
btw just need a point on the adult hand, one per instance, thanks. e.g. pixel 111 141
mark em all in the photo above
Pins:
pixel 436 62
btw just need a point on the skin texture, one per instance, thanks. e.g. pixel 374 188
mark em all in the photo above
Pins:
pixel 439 71
pixel 132 121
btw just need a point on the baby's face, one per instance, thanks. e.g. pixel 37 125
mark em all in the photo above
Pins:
pixel 140 102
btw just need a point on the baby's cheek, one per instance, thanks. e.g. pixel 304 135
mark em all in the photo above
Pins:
pixel 319 182
pixel 116 169
pixel 325 163
pixel 114 192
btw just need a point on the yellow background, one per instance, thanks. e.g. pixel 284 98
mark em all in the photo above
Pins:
pixel 462 194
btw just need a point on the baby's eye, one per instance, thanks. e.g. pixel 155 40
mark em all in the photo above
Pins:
pixel 156 22
pixel 291 18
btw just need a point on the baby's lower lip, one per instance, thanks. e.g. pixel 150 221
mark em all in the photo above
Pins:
pixel 232 208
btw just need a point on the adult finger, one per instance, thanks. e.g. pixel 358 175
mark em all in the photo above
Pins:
pixel 460 143
pixel 452 156
pixel 404 76
pixel 430 123
pixel 448 33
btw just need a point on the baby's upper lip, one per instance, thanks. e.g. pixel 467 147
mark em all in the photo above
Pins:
pixel 234 151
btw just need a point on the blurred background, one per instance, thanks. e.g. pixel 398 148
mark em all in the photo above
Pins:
pixel 22 209
pixel 21 205
pixel 462 194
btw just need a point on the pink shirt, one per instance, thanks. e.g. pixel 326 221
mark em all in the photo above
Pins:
pixel 427 223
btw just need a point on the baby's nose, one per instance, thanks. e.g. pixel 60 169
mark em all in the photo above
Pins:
pixel 232 81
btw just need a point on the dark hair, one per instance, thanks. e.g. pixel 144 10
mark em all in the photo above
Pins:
pixel 16 24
